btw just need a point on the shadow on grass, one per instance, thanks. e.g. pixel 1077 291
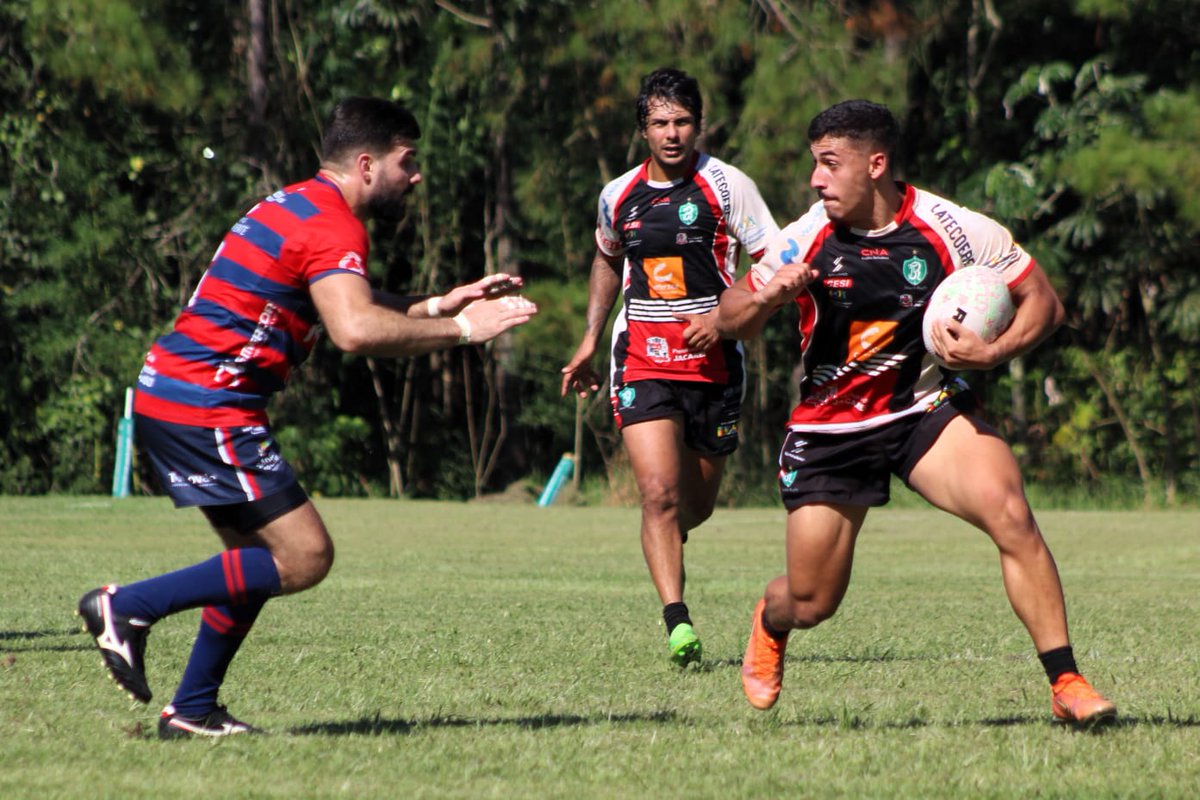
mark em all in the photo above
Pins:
pixel 30 636
pixel 378 726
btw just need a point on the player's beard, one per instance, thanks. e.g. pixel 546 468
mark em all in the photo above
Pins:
pixel 388 206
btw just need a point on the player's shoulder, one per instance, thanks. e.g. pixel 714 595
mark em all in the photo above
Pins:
pixel 618 185
pixel 806 227
pixel 950 216
pixel 717 170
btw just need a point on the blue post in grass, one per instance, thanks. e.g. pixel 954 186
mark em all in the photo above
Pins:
pixel 123 464
pixel 566 465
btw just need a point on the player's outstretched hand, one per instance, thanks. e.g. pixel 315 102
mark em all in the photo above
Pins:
pixel 493 286
pixel 487 319
pixel 787 283
pixel 701 332
pixel 579 376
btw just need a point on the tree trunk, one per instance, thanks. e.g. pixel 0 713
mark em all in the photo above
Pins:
pixel 1126 426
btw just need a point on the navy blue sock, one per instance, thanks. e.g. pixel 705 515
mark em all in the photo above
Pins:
pixel 222 631
pixel 235 577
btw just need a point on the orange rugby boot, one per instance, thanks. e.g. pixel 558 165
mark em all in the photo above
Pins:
pixel 1075 701
pixel 762 666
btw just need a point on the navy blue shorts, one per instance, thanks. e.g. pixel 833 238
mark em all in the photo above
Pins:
pixel 709 411
pixel 216 466
pixel 855 469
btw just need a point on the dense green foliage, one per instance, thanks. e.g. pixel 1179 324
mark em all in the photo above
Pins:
pixel 481 650
pixel 133 133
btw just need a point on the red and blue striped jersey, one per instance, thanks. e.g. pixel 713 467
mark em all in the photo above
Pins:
pixel 252 318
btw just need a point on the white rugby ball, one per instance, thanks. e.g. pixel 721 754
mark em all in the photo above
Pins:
pixel 975 296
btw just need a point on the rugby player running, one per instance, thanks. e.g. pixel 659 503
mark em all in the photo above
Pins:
pixel 860 266
pixel 667 236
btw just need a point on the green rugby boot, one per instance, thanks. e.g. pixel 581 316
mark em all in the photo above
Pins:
pixel 685 645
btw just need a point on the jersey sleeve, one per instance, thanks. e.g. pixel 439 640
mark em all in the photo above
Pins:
pixel 607 238
pixel 995 248
pixel 329 248
pixel 794 243
pixel 750 220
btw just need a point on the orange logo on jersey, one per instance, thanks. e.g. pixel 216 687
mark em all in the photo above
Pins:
pixel 665 277
pixel 868 338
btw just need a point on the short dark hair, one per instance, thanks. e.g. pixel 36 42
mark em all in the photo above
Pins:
pixel 367 123
pixel 675 87
pixel 857 119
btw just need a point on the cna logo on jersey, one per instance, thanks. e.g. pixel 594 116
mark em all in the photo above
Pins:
pixel 689 212
pixel 627 395
pixel 915 269
pixel 352 262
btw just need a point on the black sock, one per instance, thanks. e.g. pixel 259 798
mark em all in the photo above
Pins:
pixel 1058 661
pixel 675 614
pixel 774 634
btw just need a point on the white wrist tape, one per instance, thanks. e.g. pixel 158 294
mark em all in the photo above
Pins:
pixel 431 307
pixel 464 326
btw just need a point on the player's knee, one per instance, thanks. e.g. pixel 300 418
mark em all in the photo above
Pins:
pixel 659 497
pixel 304 566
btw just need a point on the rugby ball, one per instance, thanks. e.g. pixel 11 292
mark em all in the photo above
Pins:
pixel 975 296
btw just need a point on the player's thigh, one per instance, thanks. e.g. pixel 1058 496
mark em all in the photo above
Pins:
pixel 820 550
pixel 971 472
pixel 655 449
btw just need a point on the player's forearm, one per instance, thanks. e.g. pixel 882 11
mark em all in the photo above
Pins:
pixel 742 314
pixel 604 285
pixel 388 332
pixel 414 306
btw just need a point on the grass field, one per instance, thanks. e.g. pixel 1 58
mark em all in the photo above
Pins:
pixel 488 650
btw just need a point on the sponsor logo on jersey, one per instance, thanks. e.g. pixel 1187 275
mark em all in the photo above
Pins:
pixel 681 238
pixel 874 253
pixel 839 264
pixel 689 212
pixel 954 233
pixel 869 337
pixel 727 430
pixel 789 256
pixel 657 349
pixel 632 226
pixel 906 301
pixel 353 262
pixel 664 276
pixel 839 282
pixel 627 395
pixel 915 269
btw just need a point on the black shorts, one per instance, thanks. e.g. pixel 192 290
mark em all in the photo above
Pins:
pixel 856 469
pixel 709 411
pixel 236 475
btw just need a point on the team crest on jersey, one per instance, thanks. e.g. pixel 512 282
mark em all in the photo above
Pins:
pixel 627 396
pixel 788 478
pixel 352 261
pixel 915 269
pixel 689 212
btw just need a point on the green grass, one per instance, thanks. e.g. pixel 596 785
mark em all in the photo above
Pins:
pixel 488 650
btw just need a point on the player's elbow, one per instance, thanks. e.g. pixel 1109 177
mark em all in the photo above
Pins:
pixel 350 337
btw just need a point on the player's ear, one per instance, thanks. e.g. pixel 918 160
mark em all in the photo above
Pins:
pixel 364 162
pixel 877 164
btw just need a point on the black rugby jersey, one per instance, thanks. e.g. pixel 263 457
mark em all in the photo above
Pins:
pixel 680 241
pixel 863 356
